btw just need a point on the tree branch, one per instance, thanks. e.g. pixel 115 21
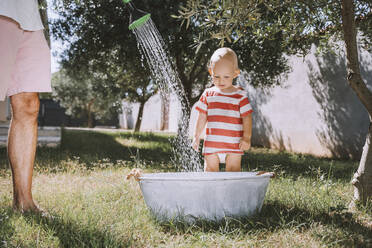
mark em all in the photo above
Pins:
pixel 353 71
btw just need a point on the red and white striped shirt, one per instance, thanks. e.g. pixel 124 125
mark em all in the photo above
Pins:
pixel 224 119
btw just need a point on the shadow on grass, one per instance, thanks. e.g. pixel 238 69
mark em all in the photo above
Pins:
pixel 91 147
pixel 73 234
pixel 3 158
pixel 350 232
pixel 275 216
pixel 6 229
pixel 290 164
pixel 88 144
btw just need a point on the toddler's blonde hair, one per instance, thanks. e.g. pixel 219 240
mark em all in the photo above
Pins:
pixel 224 53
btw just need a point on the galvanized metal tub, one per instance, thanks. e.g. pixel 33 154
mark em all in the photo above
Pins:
pixel 206 195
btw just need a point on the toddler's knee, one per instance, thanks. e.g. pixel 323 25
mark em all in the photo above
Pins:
pixel 233 168
pixel 208 167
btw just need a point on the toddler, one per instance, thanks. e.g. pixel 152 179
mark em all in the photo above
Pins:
pixel 226 111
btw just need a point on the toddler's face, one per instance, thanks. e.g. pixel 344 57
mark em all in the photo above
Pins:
pixel 223 73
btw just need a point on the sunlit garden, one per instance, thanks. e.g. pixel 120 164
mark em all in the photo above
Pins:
pixel 82 185
pixel 186 123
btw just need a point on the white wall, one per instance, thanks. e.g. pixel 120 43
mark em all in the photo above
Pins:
pixel 151 119
pixel 287 117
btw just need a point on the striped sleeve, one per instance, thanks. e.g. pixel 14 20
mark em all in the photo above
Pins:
pixel 245 107
pixel 202 104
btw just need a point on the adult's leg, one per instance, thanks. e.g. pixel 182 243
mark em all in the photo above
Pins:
pixel 233 162
pixel 22 141
pixel 211 163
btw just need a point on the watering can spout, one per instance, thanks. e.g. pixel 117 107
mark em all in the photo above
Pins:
pixel 137 17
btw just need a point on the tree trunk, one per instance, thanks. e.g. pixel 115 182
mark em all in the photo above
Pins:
pixel 362 180
pixel 139 117
pixel 90 119
pixel 165 101
pixel 188 95
pixel 90 114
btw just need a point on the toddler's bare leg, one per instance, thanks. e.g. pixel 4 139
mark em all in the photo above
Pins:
pixel 233 162
pixel 211 163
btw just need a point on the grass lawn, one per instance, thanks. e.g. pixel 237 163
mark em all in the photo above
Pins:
pixel 82 185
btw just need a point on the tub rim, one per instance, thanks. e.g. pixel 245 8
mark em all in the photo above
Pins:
pixel 143 177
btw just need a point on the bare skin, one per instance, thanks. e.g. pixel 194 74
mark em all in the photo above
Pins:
pixel 233 162
pixel 22 141
pixel 211 163
pixel 245 142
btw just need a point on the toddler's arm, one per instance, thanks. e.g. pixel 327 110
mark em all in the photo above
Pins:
pixel 245 142
pixel 199 127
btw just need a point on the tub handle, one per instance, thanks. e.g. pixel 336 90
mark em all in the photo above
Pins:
pixel 273 175
pixel 135 173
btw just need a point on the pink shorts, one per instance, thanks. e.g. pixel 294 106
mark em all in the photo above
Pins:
pixel 24 60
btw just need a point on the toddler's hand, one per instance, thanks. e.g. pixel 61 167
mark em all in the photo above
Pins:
pixel 195 143
pixel 244 145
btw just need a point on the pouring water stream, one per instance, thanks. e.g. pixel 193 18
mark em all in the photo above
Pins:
pixel 152 48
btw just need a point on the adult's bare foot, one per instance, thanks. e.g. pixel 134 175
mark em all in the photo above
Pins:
pixel 25 207
pixel 30 209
